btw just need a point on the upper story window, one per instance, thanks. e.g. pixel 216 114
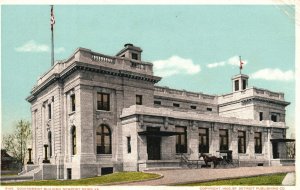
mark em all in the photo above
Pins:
pixel 139 100
pixel 134 56
pixel 73 105
pixel 49 111
pixel 261 116
pixel 156 102
pixel 241 142
pixel 275 117
pixel 193 107
pixel 181 140
pixel 176 105
pixel 236 85
pixel 103 102
pixel 209 109
pixel 223 139
pixel 244 84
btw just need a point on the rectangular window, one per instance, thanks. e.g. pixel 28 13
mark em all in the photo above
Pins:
pixel 73 107
pixel 203 140
pixel 128 144
pixel 103 101
pixel 244 84
pixel 261 116
pixel 257 143
pixel 242 142
pixel 176 105
pixel 193 107
pixel 236 85
pixel 134 56
pixel 49 111
pixel 139 100
pixel 223 139
pixel 209 109
pixel 274 117
pixel 181 140
pixel 156 102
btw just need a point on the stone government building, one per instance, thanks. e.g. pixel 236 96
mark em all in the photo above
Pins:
pixel 94 114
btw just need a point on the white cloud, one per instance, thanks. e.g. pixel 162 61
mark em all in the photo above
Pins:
pixel 217 64
pixel 32 46
pixel 175 65
pixel 273 74
pixel 59 50
pixel 235 61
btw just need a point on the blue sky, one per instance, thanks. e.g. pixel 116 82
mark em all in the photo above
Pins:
pixel 194 47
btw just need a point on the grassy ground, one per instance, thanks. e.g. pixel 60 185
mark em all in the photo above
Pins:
pixel 101 180
pixel 274 179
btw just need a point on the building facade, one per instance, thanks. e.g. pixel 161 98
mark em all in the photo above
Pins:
pixel 94 114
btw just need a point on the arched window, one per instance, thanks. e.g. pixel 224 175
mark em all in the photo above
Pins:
pixel 50 143
pixel 103 140
pixel 73 140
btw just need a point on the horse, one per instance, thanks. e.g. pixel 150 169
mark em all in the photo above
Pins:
pixel 213 159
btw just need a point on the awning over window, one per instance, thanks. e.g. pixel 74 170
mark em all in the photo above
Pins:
pixel 158 133
pixel 282 140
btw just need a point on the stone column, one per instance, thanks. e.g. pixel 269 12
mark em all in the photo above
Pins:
pixel 29 154
pixel 46 158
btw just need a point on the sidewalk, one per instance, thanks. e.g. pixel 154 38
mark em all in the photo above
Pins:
pixel 289 180
pixel 205 174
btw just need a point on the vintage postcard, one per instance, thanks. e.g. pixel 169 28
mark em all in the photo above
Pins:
pixel 149 94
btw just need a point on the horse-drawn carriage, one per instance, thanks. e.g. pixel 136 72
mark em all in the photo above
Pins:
pixel 224 160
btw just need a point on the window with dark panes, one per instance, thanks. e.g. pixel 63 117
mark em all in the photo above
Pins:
pixel 209 109
pixel 73 107
pixel 274 117
pixel 103 140
pixel 50 143
pixel 181 140
pixel 134 56
pixel 223 139
pixel 244 84
pixel 193 107
pixel 128 144
pixel 176 105
pixel 261 116
pixel 156 102
pixel 49 111
pixel 203 140
pixel 139 99
pixel 103 101
pixel 257 143
pixel 73 134
pixel 236 85
pixel 242 142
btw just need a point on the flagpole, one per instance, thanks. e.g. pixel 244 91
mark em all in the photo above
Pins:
pixel 240 65
pixel 52 38
pixel 52 49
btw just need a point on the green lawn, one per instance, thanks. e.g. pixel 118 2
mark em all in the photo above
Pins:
pixel 274 179
pixel 101 180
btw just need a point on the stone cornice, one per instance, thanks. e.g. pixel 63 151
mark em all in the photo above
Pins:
pixel 256 98
pixel 92 68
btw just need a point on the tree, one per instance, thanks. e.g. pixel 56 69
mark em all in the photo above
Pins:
pixel 17 142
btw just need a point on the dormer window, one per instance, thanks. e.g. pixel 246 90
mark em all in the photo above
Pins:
pixel 134 56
